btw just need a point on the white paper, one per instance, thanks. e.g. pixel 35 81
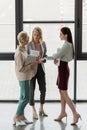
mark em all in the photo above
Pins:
pixel 34 53
pixel 30 59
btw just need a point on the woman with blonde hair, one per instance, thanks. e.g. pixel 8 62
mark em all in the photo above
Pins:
pixel 39 45
pixel 24 74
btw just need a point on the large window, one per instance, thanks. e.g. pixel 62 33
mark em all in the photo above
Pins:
pixel 17 15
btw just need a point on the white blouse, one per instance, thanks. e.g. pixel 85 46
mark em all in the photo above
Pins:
pixel 65 53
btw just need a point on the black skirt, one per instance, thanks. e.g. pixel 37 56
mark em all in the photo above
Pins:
pixel 63 75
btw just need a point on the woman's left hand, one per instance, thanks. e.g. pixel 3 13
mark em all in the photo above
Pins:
pixel 55 61
pixel 40 60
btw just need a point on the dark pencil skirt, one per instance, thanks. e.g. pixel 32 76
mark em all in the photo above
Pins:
pixel 63 75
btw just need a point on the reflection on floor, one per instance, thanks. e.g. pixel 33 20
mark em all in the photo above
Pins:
pixel 7 111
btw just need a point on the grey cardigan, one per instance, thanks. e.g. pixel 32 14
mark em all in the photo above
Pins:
pixel 44 51
pixel 22 72
pixel 65 53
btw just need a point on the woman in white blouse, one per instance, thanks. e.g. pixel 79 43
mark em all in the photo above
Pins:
pixel 65 54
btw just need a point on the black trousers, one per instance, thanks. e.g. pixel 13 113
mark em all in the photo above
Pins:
pixel 40 76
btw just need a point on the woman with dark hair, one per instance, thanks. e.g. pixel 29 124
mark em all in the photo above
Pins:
pixel 39 45
pixel 64 55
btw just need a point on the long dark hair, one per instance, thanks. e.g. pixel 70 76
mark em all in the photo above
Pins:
pixel 67 31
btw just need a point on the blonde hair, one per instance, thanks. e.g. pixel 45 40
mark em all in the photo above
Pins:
pixel 22 36
pixel 38 29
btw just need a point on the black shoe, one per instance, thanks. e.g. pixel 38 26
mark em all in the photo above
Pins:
pixel 42 113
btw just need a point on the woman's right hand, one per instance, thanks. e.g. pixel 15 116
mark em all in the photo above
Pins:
pixel 39 59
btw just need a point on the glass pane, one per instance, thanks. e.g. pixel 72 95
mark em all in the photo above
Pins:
pixel 7 11
pixel 9 87
pixel 7 39
pixel 50 34
pixel 48 10
pixel 81 80
pixel 84 27
pixel 7 25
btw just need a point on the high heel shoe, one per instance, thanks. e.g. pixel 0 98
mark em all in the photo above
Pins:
pixel 27 122
pixel 19 123
pixel 76 119
pixel 61 117
pixel 35 116
pixel 42 113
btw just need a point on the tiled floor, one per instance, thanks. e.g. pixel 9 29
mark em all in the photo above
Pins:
pixel 7 111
